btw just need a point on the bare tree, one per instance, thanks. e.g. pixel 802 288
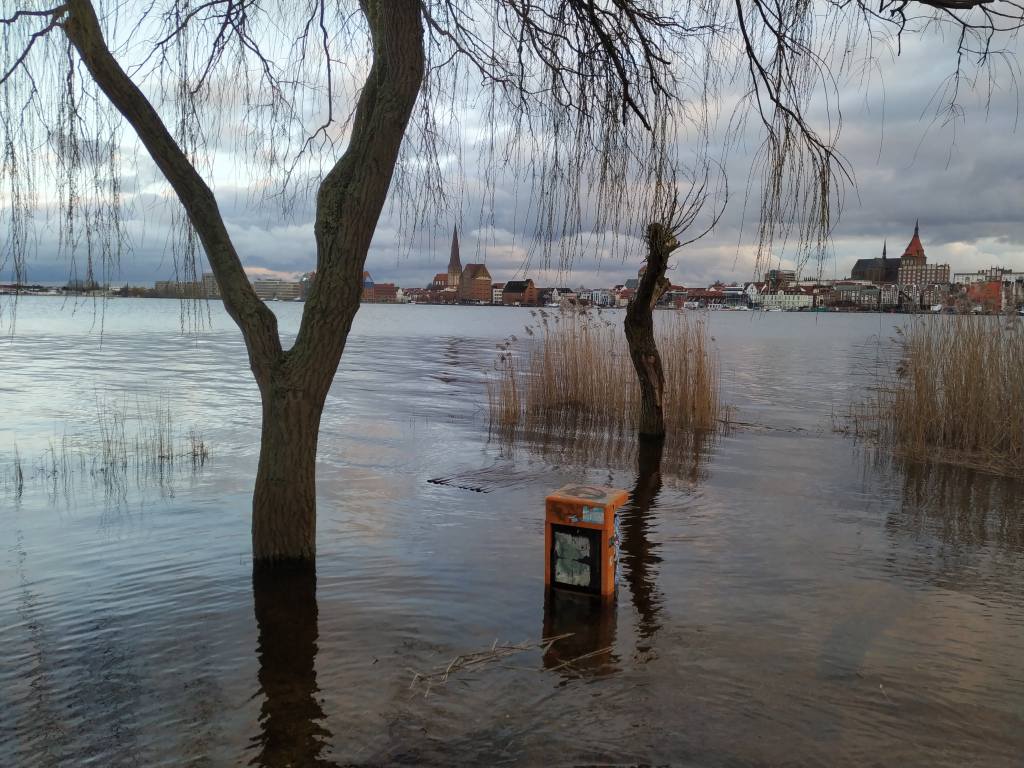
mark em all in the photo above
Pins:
pixel 675 221
pixel 572 92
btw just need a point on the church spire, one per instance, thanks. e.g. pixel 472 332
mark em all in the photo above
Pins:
pixel 917 223
pixel 454 263
pixel 884 243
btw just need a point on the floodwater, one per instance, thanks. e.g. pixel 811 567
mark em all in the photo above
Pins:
pixel 786 598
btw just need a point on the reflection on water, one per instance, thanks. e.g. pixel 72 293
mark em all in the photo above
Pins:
pixel 589 620
pixel 638 553
pixel 683 455
pixel 959 506
pixel 781 603
pixel 293 730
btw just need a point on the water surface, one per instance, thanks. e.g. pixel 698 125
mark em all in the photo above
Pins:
pixel 786 598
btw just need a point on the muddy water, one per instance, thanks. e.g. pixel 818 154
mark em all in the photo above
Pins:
pixel 785 598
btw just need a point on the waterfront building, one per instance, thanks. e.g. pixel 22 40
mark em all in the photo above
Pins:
pixel 755 293
pixel 475 284
pixel 1000 274
pixel 173 289
pixel 699 298
pixel 381 293
pixel 856 294
pixel 277 290
pixel 366 293
pixel 987 295
pixel 519 293
pixel 560 295
pixel 790 298
pixel 210 288
pixel 889 295
pixel 924 274
pixel 675 296
pixel 994 295
pixel 735 296
pixel 205 288
pixel 917 278
pixel 883 270
pixel 496 291
pixel 779 278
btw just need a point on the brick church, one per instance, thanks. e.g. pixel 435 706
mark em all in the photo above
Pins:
pixel 470 284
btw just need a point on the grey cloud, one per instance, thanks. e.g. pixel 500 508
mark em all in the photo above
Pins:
pixel 964 179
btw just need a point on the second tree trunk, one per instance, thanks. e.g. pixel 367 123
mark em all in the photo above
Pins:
pixel 639 327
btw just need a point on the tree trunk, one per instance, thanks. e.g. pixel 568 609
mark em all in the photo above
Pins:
pixel 284 499
pixel 293 384
pixel 639 326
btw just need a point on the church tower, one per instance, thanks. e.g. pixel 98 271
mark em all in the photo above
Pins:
pixel 914 255
pixel 454 263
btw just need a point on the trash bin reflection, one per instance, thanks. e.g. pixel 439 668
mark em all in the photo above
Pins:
pixel 590 648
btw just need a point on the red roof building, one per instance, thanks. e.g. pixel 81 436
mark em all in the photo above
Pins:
pixel 914 254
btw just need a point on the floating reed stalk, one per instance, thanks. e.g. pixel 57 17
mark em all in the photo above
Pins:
pixel 955 394
pixel 575 375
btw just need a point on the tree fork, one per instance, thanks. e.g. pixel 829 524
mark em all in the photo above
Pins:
pixel 293 384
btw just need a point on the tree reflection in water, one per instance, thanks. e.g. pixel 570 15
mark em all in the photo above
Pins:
pixel 292 727
pixel 958 506
pixel 638 554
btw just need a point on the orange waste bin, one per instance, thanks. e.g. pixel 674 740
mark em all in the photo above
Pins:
pixel 581 538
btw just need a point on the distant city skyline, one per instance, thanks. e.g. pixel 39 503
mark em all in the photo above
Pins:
pixel 612 272
pixel 962 179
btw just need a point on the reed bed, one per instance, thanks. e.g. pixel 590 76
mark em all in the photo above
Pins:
pixel 132 440
pixel 955 394
pixel 575 375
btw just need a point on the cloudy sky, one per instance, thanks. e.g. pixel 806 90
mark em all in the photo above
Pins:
pixel 963 178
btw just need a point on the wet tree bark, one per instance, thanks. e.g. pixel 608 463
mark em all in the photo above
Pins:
pixel 639 326
pixel 294 383
pixel 284 499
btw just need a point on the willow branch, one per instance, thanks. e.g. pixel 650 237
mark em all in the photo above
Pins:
pixel 257 323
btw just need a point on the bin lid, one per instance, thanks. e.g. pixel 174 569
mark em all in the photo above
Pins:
pixel 591 495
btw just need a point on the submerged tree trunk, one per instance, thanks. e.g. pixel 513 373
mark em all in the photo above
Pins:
pixel 639 326
pixel 284 499
pixel 292 724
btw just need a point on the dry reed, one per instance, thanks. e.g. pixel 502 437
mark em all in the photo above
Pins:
pixel 576 376
pixel 490 656
pixel 955 394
